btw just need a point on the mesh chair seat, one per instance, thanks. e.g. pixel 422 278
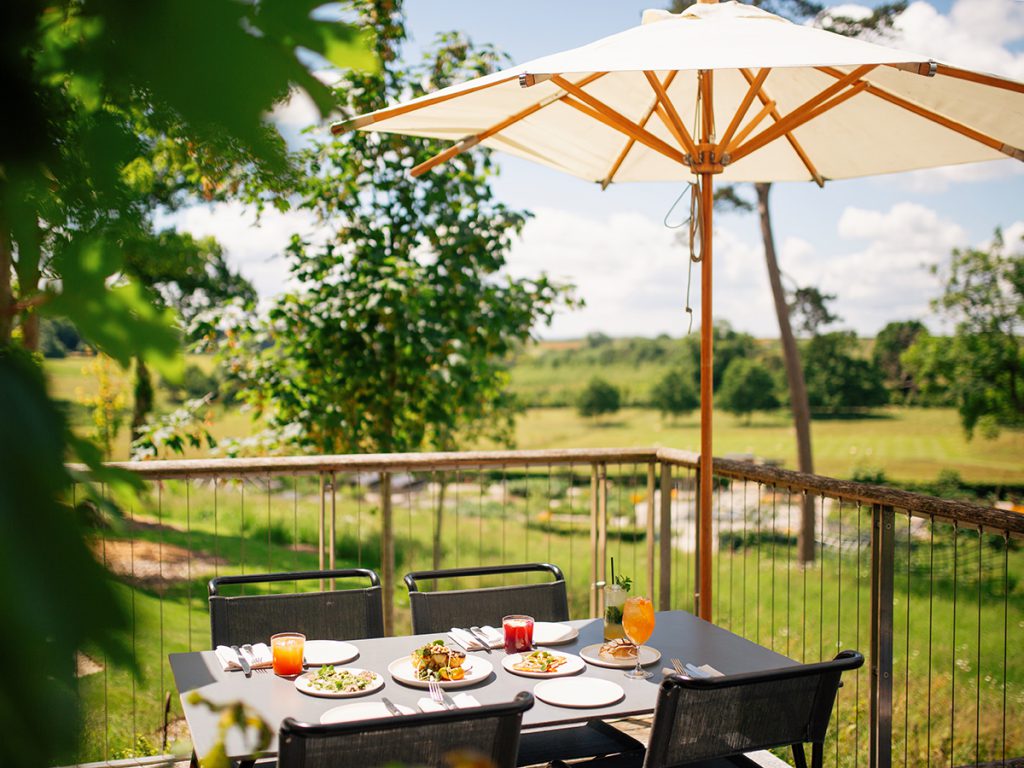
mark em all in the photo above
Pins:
pixel 440 611
pixel 491 732
pixel 344 614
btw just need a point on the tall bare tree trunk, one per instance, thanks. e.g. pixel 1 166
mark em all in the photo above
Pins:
pixel 794 374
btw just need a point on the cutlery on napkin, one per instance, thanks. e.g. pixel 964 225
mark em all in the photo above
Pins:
pixel 462 700
pixel 260 657
pixel 472 643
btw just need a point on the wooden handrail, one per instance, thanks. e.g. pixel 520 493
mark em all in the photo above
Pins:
pixel 921 505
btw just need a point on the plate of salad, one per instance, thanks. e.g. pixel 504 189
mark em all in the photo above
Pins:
pixel 339 682
pixel 542 663
pixel 437 662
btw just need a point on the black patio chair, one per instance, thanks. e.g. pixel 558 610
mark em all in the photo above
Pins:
pixel 420 739
pixel 441 610
pixel 712 721
pixel 341 614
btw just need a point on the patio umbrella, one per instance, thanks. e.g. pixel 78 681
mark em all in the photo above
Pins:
pixel 768 100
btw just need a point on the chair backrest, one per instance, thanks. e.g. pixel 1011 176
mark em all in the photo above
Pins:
pixel 344 614
pixel 442 610
pixel 421 739
pixel 714 717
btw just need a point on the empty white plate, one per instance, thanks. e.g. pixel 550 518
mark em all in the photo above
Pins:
pixel 364 710
pixel 550 633
pixel 579 692
pixel 320 652
pixel 592 654
pixel 572 665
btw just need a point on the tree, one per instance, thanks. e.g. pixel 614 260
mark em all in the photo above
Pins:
pixel 747 386
pixel 810 306
pixel 396 338
pixel 982 366
pixel 675 394
pixel 838 378
pixel 890 344
pixel 598 398
pixel 879 20
pixel 97 86
pixel 188 275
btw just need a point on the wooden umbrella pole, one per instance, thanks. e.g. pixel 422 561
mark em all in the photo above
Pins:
pixel 706 166
pixel 707 377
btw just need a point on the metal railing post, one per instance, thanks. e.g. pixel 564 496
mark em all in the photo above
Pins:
pixel 883 551
pixel 650 531
pixel 321 528
pixel 696 540
pixel 387 553
pixel 665 542
pixel 602 532
pixel 593 541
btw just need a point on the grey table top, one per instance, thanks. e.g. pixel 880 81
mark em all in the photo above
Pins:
pixel 677 634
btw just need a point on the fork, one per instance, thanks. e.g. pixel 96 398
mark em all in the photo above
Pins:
pixel 677 665
pixel 247 648
pixel 436 694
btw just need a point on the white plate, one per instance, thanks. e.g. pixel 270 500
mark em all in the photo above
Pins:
pixel 550 633
pixel 320 652
pixel 648 656
pixel 477 670
pixel 573 664
pixel 579 692
pixel 364 710
pixel 302 683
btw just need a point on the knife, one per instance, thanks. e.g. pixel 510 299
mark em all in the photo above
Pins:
pixel 479 635
pixel 242 662
pixel 390 706
pixel 449 702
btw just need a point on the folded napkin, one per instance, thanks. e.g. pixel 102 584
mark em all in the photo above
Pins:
pixel 472 643
pixel 462 700
pixel 260 657
pixel 707 669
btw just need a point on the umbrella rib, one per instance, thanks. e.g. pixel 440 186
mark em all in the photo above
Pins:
pixel 472 140
pixel 964 74
pixel 935 117
pixel 797 147
pixel 384 114
pixel 670 117
pixel 631 141
pixel 616 120
pixel 748 98
pixel 767 109
pixel 816 105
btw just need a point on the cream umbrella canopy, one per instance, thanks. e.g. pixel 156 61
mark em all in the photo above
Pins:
pixel 768 100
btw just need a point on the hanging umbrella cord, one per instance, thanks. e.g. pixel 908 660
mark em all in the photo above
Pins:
pixel 694 223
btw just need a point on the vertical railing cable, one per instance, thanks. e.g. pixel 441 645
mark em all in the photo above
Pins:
pixel 882 561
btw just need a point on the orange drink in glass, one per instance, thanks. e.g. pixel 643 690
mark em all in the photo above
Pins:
pixel 288 649
pixel 638 624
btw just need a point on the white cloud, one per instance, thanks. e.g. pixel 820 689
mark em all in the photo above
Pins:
pixel 632 274
pixel 255 248
pixel 889 278
pixel 975 34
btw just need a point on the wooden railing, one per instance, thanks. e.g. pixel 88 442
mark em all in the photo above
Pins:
pixel 581 507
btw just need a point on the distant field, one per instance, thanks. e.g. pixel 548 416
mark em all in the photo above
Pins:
pixel 908 444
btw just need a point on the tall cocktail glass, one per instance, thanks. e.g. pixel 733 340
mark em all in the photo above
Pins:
pixel 638 624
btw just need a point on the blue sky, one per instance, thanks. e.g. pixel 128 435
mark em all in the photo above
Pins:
pixel 872 241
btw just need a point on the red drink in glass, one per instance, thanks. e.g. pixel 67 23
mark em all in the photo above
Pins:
pixel 518 634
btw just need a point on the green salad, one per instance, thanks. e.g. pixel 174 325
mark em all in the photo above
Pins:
pixel 341 680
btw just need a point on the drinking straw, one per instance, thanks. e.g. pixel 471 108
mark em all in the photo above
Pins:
pixel 613 571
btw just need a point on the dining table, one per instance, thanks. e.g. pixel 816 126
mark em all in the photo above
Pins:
pixel 677 634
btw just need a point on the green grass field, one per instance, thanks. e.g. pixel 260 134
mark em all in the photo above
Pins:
pixel 907 444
